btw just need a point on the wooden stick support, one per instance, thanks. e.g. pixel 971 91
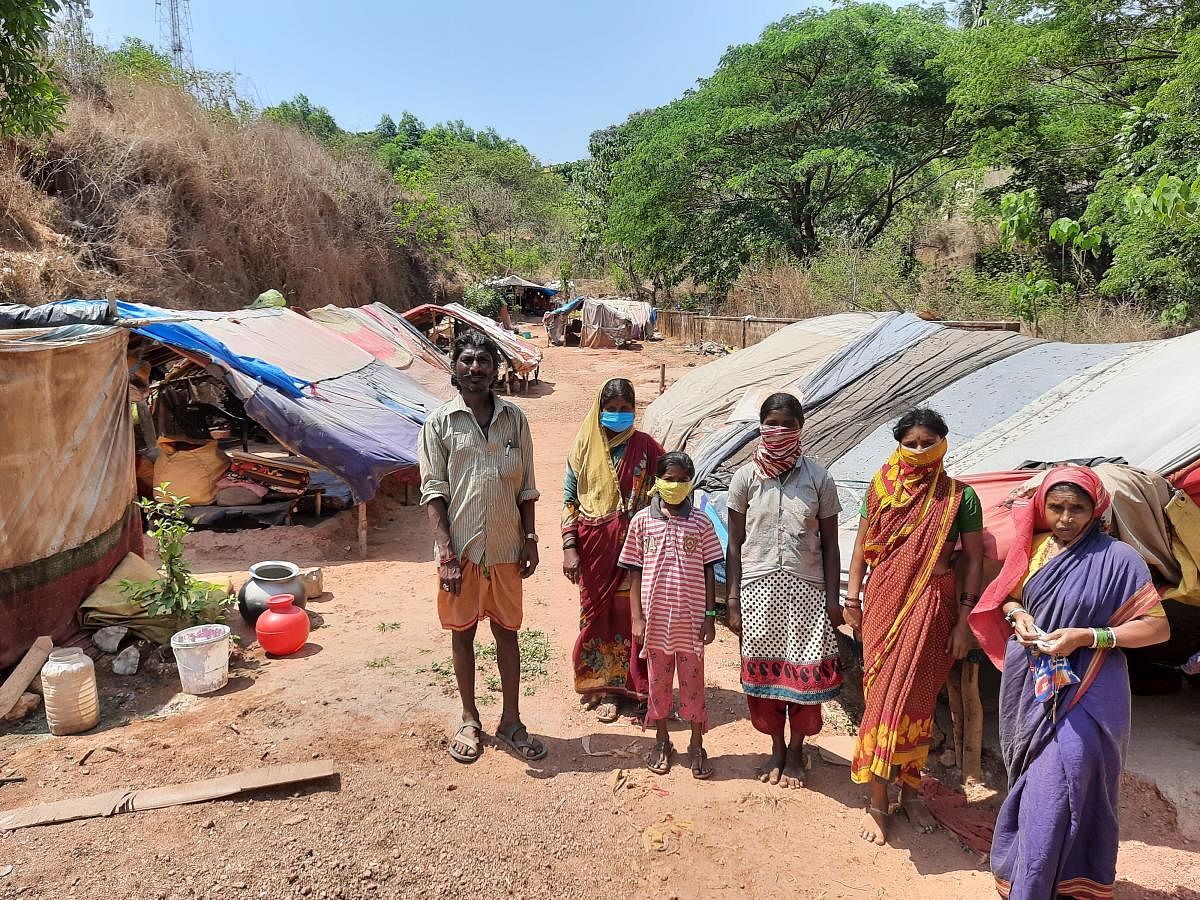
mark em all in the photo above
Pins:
pixel 954 690
pixel 27 670
pixel 662 377
pixel 972 729
pixel 362 530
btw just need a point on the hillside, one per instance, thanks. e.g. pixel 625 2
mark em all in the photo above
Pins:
pixel 145 195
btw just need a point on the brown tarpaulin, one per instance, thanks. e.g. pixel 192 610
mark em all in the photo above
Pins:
pixel 67 471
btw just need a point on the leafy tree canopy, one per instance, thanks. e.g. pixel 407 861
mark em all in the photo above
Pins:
pixel 30 102
pixel 827 125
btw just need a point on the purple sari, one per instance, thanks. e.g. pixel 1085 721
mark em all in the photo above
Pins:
pixel 1057 830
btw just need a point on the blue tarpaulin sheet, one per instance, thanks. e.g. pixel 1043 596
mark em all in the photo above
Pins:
pixel 360 425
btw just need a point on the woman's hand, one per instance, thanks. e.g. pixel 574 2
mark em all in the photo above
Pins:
pixel 1025 628
pixel 1065 641
pixel 961 640
pixel 852 616
pixel 450 575
pixel 571 565
pixel 708 629
pixel 733 615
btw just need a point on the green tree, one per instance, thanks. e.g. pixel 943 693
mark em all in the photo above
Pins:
pixel 30 102
pixel 138 59
pixel 300 113
pixel 827 125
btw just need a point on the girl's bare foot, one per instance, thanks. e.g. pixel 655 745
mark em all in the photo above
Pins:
pixel 775 762
pixel 918 814
pixel 794 771
pixel 773 770
pixel 874 826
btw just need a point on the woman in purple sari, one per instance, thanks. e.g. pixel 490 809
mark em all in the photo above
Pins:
pixel 1071 596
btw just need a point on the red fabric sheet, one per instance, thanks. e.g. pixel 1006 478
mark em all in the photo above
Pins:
pixel 973 825
pixel 44 596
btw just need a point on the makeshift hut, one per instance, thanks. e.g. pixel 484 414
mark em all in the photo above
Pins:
pixel 530 296
pixel 522 360
pixel 615 321
pixel 66 513
pixel 564 323
pixel 391 339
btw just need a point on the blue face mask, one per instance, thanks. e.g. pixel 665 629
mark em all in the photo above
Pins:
pixel 616 421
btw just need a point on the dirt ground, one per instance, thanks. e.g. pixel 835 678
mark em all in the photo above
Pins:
pixel 371 692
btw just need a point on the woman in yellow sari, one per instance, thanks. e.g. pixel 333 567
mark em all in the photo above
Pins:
pixel 912 628
pixel 609 471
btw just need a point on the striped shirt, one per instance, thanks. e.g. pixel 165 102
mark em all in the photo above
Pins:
pixel 482 478
pixel 672 552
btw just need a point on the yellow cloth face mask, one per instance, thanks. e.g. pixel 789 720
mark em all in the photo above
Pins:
pixel 924 457
pixel 672 492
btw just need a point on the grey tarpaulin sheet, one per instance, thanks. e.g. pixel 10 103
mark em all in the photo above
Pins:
pixel 1143 405
pixel 845 419
pixel 981 399
pixel 892 334
pixel 699 403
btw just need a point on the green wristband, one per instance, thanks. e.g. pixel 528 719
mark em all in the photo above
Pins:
pixel 710 613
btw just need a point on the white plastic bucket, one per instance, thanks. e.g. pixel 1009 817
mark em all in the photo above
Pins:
pixel 202 655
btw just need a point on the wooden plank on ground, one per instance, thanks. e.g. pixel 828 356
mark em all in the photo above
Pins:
pixel 27 669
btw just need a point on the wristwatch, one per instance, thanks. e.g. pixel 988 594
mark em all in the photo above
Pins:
pixel 532 536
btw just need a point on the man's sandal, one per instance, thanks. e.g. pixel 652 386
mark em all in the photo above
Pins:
pixel 472 742
pixel 701 770
pixel 518 739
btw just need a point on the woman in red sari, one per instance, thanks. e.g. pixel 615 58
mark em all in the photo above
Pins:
pixel 609 471
pixel 912 627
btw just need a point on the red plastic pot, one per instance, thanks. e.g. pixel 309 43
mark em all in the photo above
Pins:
pixel 283 628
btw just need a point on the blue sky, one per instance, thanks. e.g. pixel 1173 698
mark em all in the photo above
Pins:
pixel 547 74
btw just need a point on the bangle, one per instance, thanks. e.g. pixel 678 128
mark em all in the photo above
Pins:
pixel 570 546
pixel 850 604
pixel 1112 638
pixel 710 613
pixel 1008 616
pixel 1095 637
pixel 968 600
pixel 736 598
pixel 1103 639
pixel 446 560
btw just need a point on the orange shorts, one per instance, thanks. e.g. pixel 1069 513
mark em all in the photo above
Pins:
pixel 496 596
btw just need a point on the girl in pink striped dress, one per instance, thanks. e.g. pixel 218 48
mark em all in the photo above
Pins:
pixel 671 550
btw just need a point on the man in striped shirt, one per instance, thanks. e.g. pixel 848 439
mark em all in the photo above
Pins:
pixel 477 486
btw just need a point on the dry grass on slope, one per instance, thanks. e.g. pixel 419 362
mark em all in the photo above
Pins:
pixel 147 196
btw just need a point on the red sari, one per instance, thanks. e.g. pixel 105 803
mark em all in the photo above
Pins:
pixel 606 660
pixel 908 614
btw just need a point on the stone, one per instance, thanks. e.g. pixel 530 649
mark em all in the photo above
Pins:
pixel 25 704
pixel 109 638
pixel 126 662
pixel 314 582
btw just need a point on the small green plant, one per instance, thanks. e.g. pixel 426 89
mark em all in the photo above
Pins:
pixel 493 683
pixel 381 662
pixel 388 626
pixel 534 648
pixel 176 593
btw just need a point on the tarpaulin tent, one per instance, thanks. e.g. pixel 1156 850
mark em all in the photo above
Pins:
pixel 699 403
pixel 615 321
pixel 391 340
pixel 67 471
pixel 556 320
pixel 318 394
pixel 523 357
